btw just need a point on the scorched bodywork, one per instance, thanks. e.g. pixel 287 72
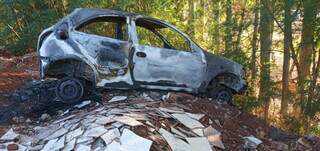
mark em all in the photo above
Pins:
pixel 114 49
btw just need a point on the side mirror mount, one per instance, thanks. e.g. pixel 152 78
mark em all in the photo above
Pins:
pixel 62 31
pixel 62 34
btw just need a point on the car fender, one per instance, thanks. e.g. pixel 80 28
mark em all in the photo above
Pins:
pixel 52 60
pixel 226 77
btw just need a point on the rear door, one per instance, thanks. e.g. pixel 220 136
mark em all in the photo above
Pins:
pixel 163 57
pixel 105 41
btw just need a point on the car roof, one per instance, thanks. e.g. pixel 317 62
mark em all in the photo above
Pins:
pixel 80 15
pixel 92 11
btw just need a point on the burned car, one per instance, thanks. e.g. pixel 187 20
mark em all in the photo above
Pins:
pixel 101 48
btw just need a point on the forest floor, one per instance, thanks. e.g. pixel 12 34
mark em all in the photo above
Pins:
pixel 25 114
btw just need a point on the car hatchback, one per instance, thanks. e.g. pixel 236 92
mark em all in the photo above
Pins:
pixel 112 49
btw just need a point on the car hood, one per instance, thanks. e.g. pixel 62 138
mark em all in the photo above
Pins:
pixel 214 62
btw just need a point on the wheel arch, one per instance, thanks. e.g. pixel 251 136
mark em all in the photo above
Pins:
pixel 70 66
pixel 227 79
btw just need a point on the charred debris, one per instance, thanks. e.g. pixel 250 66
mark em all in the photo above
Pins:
pixel 155 120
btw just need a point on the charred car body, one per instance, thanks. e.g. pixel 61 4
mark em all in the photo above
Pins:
pixel 114 49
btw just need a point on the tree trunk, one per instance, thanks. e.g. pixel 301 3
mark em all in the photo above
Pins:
pixel 216 32
pixel 308 28
pixel 266 30
pixel 240 30
pixel 286 55
pixel 315 76
pixel 305 59
pixel 254 41
pixel 191 18
pixel 228 27
pixel 202 20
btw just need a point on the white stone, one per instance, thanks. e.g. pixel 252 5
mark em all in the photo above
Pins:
pixel 195 116
pixel 171 110
pixel 188 121
pixel 70 145
pixel 132 142
pixel 64 119
pixel 57 134
pixel 117 124
pixel 114 146
pixel 128 120
pixel 26 140
pixel 95 132
pixel 199 143
pixel 110 135
pixel 84 140
pixel 59 144
pixel 82 147
pixel 9 135
pixel 213 137
pixel 175 144
pixel 82 104
pixel 50 145
pixel 198 131
pixel 118 98
pixel 74 134
pixel 177 132
pixel 137 116
pixel 103 120
pixel 251 142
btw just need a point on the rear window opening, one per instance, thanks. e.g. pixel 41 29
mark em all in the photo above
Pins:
pixel 112 27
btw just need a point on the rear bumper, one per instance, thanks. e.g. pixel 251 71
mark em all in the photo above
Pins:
pixel 43 65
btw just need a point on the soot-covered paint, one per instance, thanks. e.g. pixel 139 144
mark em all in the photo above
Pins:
pixel 118 63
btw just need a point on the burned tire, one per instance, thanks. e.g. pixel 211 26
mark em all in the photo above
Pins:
pixel 70 90
pixel 222 94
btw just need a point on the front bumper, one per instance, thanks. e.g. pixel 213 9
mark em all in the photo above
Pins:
pixel 242 87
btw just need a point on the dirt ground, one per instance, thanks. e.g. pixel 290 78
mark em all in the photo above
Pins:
pixel 233 123
pixel 15 71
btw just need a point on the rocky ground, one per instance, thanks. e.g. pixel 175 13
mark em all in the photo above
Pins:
pixel 32 119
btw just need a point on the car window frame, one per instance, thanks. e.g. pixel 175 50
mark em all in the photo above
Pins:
pixel 167 25
pixel 74 28
pixel 154 33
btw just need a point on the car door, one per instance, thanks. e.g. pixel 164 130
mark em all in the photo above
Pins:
pixel 104 40
pixel 158 63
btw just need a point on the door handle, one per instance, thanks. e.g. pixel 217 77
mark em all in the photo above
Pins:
pixel 141 54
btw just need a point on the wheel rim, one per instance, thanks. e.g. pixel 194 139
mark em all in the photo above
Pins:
pixel 70 90
pixel 224 96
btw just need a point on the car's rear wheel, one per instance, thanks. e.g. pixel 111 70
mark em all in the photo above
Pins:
pixel 222 94
pixel 70 90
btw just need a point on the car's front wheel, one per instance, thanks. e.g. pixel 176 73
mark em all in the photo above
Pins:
pixel 70 90
pixel 222 94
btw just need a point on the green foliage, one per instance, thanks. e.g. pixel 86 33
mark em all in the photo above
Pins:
pixel 315 131
pixel 293 125
pixel 238 56
pixel 248 103
pixel 24 21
